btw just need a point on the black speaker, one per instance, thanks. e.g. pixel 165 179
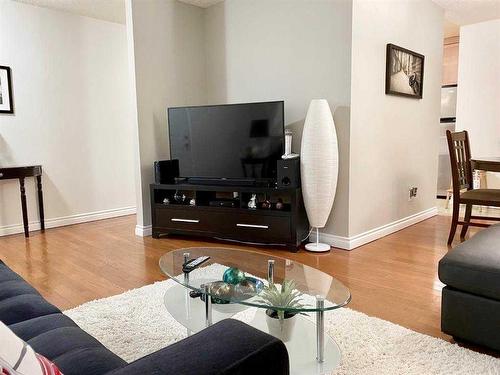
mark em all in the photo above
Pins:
pixel 166 171
pixel 289 173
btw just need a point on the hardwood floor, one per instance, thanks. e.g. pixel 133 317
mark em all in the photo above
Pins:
pixel 394 278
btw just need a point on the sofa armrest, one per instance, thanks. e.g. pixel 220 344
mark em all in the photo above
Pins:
pixel 228 347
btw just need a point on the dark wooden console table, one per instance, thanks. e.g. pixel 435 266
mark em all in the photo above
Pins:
pixel 21 173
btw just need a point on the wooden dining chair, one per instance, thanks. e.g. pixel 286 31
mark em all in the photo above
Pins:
pixel 461 173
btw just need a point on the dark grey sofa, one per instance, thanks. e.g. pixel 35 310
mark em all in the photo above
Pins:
pixel 228 347
pixel 470 307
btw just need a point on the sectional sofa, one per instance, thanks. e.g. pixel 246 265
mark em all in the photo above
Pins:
pixel 228 347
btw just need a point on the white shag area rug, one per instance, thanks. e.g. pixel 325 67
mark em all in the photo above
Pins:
pixel 136 323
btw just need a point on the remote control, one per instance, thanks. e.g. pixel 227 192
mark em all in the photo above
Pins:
pixel 194 263
pixel 195 294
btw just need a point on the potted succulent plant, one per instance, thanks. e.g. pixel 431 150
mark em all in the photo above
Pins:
pixel 281 322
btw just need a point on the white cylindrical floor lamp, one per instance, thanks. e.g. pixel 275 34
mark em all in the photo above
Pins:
pixel 319 166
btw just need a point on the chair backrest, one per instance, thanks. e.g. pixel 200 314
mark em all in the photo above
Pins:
pixel 461 173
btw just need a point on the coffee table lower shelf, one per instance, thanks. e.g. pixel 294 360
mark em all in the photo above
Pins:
pixel 190 312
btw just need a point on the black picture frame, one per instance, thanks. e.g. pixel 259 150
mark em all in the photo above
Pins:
pixel 395 74
pixel 8 89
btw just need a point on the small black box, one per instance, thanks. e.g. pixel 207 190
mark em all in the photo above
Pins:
pixel 223 203
pixel 166 171
pixel 288 173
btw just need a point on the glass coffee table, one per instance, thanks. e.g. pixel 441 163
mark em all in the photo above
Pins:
pixel 310 349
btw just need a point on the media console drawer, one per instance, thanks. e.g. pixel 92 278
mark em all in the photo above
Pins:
pixel 260 227
pixel 188 219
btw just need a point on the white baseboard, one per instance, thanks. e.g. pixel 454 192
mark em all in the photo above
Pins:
pixel 69 220
pixel 350 243
pixel 143 230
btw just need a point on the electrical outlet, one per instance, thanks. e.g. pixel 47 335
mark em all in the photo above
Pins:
pixel 412 193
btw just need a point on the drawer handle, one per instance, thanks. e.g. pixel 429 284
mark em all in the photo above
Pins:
pixel 185 220
pixel 253 226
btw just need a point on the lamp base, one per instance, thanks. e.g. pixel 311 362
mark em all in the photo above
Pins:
pixel 317 247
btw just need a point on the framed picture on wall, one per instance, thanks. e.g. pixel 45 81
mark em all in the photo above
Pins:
pixel 5 90
pixel 404 72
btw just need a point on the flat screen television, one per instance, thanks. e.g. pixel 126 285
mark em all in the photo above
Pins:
pixel 232 141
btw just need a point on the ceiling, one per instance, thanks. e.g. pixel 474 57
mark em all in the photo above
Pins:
pixel 201 3
pixel 457 12
pixel 107 10
pixel 465 12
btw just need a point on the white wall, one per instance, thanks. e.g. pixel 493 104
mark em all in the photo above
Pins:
pixel 478 98
pixel 394 140
pixel 292 50
pixel 71 115
pixel 297 50
pixel 167 68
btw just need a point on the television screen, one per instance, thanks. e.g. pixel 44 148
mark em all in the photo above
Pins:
pixel 227 141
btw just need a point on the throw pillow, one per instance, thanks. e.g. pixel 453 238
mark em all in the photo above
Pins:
pixel 18 358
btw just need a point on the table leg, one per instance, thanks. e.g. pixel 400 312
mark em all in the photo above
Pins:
pixel 186 274
pixel 188 309
pixel 483 184
pixel 23 206
pixel 40 202
pixel 270 271
pixel 187 303
pixel 208 306
pixel 483 180
pixel 320 329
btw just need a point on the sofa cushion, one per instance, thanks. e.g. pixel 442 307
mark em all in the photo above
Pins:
pixel 23 307
pixel 474 265
pixel 17 357
pixel 7 274
pixel 58 338
pixel 89 361
pixel 67 346
pixel 36 326
pixel 11 288
pixel 58 341
pixel 19 301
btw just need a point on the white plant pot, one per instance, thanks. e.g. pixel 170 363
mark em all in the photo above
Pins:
pixel 281 329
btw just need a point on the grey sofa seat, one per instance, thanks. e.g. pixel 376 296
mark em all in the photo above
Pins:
pixel 474 265
pixel 470 305
pixel 227 347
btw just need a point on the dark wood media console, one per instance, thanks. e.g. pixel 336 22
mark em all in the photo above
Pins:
pixel 287 226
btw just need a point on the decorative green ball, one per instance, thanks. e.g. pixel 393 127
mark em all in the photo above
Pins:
pixel 233 276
